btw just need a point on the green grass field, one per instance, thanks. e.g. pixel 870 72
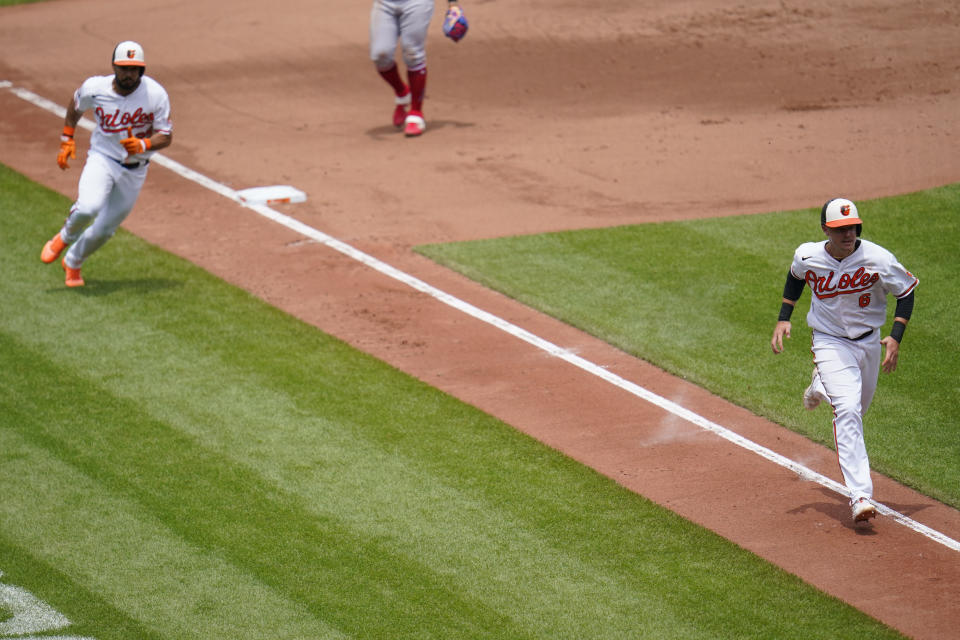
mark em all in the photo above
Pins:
pixel 700 299
pixel 180 460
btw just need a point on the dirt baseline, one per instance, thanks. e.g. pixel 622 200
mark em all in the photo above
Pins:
pixel 547 116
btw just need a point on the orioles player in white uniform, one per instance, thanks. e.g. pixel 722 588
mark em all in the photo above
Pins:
pixel 850 279
pixel 132 113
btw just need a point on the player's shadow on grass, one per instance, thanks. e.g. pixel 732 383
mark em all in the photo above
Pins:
pixel 390 131
pixel 98 287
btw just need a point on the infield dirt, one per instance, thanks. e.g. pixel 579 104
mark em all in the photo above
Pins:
pixel 547 116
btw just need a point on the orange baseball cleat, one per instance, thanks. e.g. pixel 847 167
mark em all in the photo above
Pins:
pixel 74 279
pixel 53 248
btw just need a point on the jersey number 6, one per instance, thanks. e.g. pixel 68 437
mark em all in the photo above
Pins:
pixel 865 300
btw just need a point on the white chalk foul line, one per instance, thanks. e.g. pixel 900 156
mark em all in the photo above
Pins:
pixel 509 328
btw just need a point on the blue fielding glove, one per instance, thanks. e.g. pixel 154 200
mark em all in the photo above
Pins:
pixel 455 24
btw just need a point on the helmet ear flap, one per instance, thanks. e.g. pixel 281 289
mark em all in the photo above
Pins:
pixel 823 211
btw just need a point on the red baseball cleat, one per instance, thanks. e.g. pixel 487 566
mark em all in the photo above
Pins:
pixel 414 124
pixel 400 111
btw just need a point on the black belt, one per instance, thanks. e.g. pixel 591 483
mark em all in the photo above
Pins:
pixel 862 335
pixel 135 165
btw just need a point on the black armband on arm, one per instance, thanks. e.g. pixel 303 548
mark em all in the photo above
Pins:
pixel 904 308
pixel 793 287
pixel 896 331
pixel 791 291
pixel 786 310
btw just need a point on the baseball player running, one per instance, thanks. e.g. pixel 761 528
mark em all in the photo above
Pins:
pixel 407 21
pixel 132 113
pixel 850 279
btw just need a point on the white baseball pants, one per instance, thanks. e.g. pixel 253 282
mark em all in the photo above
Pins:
pixel 847 372
pixel 105 196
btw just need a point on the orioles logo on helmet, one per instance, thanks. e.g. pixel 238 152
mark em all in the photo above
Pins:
pixel 845 210
pixel 131 53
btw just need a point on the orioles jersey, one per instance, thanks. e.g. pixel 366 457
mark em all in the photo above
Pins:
pixel 146 111
pixel 850 295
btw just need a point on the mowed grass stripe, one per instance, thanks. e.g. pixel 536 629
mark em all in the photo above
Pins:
pixel 649 572
pixel 213 429
pixel 225 509
pixel 139 578
pixel 228 514
pixel 98 617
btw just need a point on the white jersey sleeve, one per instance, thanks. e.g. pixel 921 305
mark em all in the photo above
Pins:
pixel 849 296
pixel 144 112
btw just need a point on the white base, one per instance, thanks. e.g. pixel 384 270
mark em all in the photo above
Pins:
pixel 276 194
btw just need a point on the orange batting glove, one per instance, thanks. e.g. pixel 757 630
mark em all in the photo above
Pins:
pixel 68 148
pixel 135 145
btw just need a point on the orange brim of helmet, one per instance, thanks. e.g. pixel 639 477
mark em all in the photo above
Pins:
pixel 845 222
